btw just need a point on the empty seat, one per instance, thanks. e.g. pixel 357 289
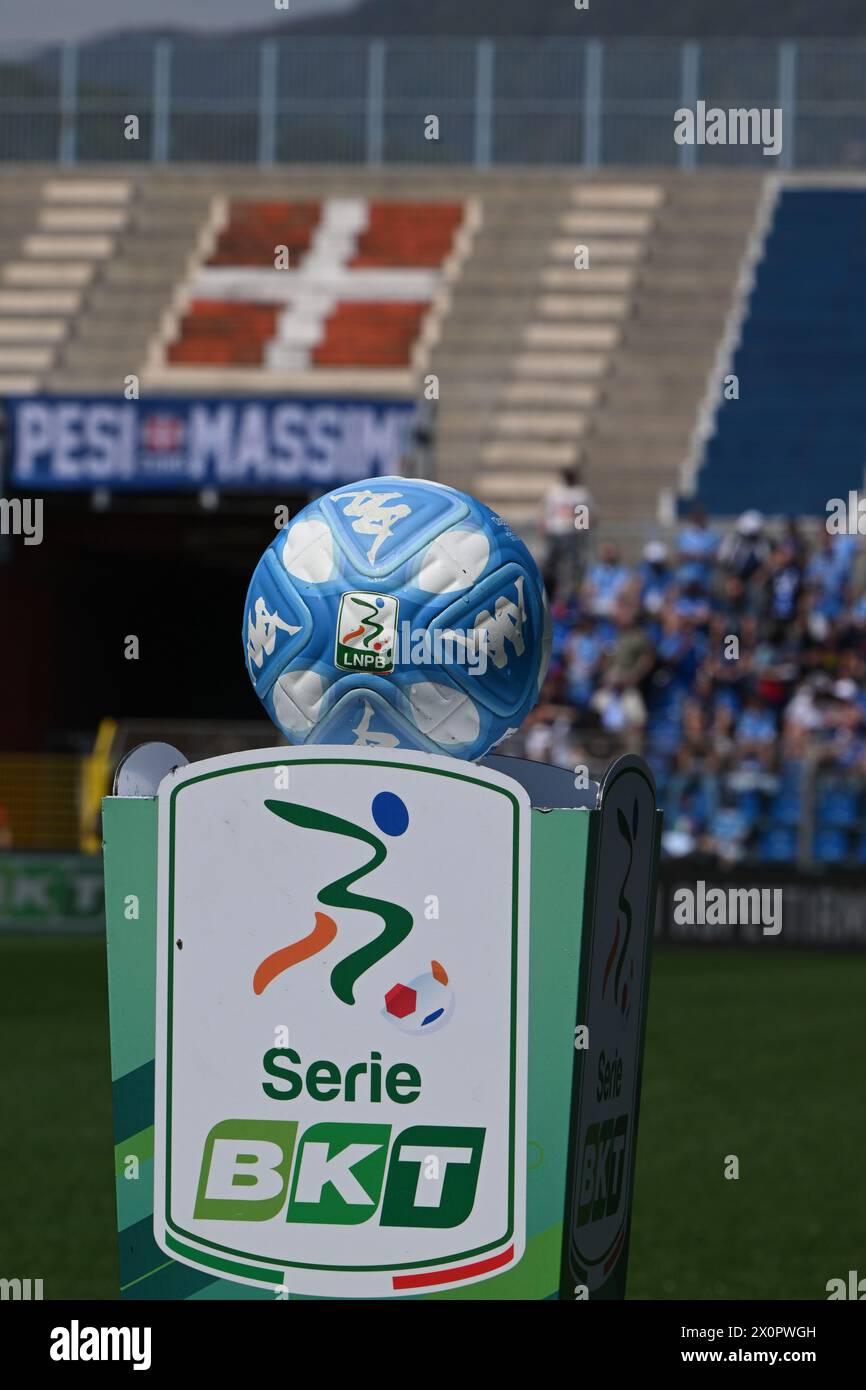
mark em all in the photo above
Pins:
pixel 778 845
pixel 830 845
pixel 794 438
pixel 837 806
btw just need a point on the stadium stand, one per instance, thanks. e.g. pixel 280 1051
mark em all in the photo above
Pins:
pixel 547 365
pixel 737 663
pixel 360 281
pixel 800 348
pixel 540 364
pixel 55 234
pixel 473 279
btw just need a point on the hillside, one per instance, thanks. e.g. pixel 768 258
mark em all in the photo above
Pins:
pixel 604 18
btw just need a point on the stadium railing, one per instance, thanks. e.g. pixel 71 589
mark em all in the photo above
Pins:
pixel 366 100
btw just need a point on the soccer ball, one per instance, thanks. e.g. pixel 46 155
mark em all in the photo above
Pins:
pixel 397 613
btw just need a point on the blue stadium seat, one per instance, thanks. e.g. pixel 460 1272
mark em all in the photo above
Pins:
pixel 837 806
pixel 797 432
pixel 786 808
pixel 749 805
pixel 730 825
pixel 778 845
pixel 830 845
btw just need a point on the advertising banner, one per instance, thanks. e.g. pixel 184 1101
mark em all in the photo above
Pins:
pixel 185 444
pixel 50 892
pixel 342 1021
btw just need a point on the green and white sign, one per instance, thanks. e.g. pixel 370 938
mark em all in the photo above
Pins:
pixel 342 1021
pixel 612 1007
pixel 50 892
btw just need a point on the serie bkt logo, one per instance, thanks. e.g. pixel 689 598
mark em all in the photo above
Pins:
pixel 358 1128
pixel 339 1174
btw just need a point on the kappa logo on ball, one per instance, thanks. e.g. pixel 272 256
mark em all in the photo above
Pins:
pixel 371 516
pixel 366 629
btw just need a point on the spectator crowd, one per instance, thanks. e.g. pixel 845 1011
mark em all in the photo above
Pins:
pixel 730 661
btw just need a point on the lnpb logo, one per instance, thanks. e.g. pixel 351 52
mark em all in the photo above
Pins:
pixel 356 1124
pixel 366 633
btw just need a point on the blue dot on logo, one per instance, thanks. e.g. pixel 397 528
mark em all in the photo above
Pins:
pixel 390 813
pixel 380 603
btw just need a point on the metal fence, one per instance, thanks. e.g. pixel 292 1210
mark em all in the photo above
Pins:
pixel 275 101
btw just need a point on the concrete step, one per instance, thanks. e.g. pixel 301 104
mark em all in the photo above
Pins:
pixel 81 220
pixel 21 359
pixel 92 247
pixel 550 394
pixel 649 339
pixel 113 360
pixel 518 487
pixel 44 275
pixel 147 249
pixel 594 280
pixel 467 460
pixel 482 337
pixel 73 379
pixel 649 398
pixel 34 330
pixel 185 221
pixel 525 454
pixel 594 307
pixel 17 384
pixel 493 370
pixel 84 190
pixel 129 302
pixel 495 422
pixel 615 427
pixel 586 366
pixel 125 272
pixel 602 251
pixel 543 424
pixel 642 454
pixel 612 195
pixel 586 224
pixel 542 335
pixel 37 302
pixel 696 281
pixel 671 311
pixel 722 257
pixel 468 308
pixel 485 395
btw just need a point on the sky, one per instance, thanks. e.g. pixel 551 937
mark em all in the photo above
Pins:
pixel 25 20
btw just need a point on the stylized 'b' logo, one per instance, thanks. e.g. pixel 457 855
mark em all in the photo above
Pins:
pixel 391 816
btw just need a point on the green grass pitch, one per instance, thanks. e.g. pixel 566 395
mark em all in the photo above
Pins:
pixel 757 1054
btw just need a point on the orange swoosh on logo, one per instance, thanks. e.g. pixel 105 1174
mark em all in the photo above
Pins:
pixel 273 965
pixel 349 635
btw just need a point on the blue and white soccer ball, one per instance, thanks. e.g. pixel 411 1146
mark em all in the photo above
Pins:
pixel 397 613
